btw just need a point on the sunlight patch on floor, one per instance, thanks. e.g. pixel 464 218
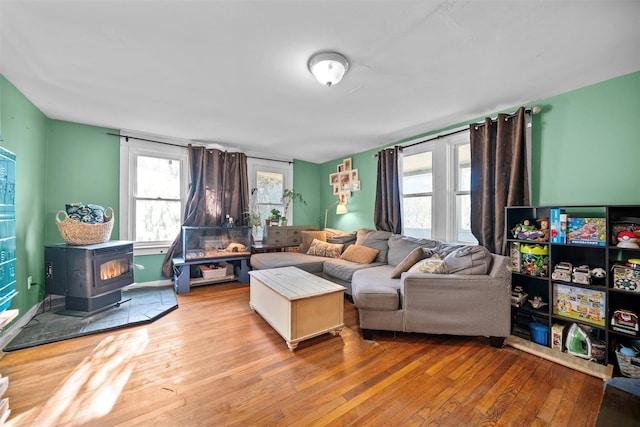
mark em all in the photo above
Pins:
pixel 93 387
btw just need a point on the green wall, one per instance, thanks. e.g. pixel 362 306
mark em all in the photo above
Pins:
pixel 585 151
pixel 306 183
pixel 24 132
pixel 85 167
pixel 587 146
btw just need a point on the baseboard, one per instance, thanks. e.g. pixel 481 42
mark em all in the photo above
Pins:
pixel 564 359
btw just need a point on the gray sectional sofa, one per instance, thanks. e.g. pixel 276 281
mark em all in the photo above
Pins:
pixel 399 283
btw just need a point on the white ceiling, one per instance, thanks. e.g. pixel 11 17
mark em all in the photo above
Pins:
pixel 235 72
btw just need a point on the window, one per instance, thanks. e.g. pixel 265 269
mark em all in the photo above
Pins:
pixel 267 180
pixel 435 186
pixel 153 188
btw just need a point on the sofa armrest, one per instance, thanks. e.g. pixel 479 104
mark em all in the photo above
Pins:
pixel 456 304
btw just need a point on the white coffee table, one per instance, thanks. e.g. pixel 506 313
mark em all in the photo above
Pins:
pixel 297 304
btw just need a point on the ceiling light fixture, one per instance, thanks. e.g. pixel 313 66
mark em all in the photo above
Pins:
pixel 328 67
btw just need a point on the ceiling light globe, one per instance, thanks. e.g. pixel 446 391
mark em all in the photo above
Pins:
pixel 328 67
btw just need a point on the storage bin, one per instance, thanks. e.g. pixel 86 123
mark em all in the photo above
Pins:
pixel 539 333
pixel 629 365
pixel 213 272
pixel 535 260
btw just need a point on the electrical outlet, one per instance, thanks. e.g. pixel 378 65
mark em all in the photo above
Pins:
pixel 29 282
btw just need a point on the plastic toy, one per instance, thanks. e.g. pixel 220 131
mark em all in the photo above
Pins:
pixel 627 239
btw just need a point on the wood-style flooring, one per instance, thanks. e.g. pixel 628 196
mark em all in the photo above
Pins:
pixel 215 362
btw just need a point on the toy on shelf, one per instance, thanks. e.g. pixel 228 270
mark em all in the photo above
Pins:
pixel 535 260
pixel 537 302
pixel 526 231
pixel 562 271
pixel 581 275
pixel 625 321
pixel 586 231
pixel 628 224
pixel 597 276
pixel 544 230
pixel 518 296
pixel 627 239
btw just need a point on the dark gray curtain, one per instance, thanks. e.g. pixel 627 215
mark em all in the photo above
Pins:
pixel 219 187
pixel 499 176
pixel 387 215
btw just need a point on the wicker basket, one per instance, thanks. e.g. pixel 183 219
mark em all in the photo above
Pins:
pixel 80 233
pixel 629 365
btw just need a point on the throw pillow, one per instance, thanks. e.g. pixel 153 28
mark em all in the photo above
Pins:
pixel 469 259
pixel 375 239
pixel 400 246
pixel 410 260
pixel 430 265
pixel 320 248
pixel 340 237
pixel 90 214
pixel 307 239
pixel 360 254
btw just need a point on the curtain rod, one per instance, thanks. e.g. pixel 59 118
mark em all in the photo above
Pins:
pixel 528 110
pixel 197 145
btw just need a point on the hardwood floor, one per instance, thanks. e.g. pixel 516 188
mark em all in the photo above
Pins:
pixel 214 362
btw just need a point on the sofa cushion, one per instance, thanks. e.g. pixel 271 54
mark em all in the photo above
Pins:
pixel 410 260
pixel 309 263
pixel 360 254
pixel 320 248
pixel 401 246
pixel 372 289
pixel 469 259
pixel 308 236
pixel 430 265
pixel 376 240
pixel 342 269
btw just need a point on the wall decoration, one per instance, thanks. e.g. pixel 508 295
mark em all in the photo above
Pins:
pixel 345 181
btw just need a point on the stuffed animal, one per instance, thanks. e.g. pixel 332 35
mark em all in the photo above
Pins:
pixel 597 276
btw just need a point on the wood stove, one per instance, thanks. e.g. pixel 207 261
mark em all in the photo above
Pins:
pixel 90 276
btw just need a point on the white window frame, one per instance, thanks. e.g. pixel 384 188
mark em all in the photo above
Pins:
pixel 444 176
pixel 256 163
pixel 130 149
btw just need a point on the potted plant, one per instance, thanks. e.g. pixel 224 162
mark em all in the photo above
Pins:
pixel 288 196
pixel 252 215
pixel 274 218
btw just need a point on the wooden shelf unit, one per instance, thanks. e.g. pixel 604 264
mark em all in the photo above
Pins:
pixel 603 256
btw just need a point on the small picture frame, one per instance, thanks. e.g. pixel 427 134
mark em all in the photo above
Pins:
pixel 355 185
pixel 345 181
pixel 343 198
pixel 334 178
pixel 347 164
pixel 336 189
pixel 353 175
pixel 347 194
pixel 341 168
